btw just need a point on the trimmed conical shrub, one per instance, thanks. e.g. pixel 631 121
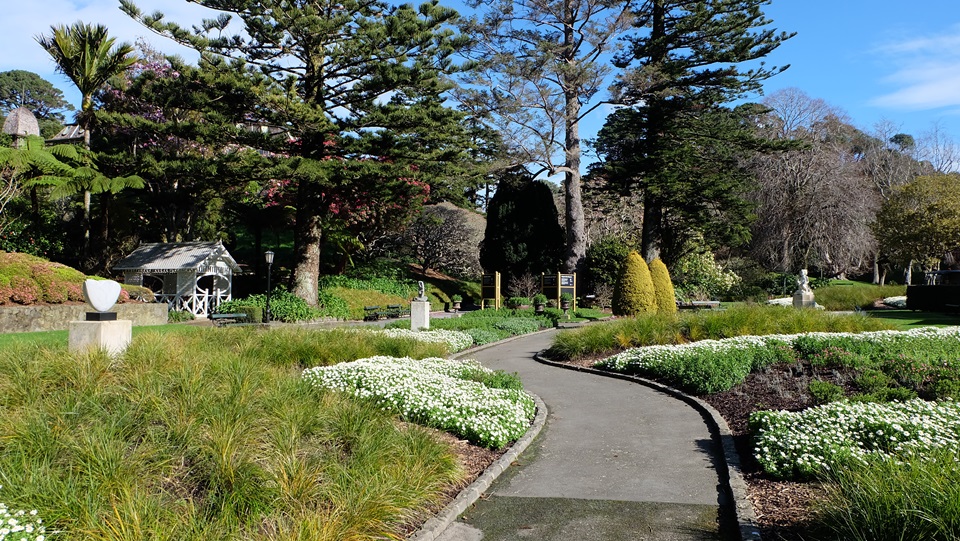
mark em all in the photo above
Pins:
pixel 634 292
pixel 663 287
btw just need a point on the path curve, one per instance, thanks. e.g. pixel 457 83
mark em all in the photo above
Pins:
pixel 615 460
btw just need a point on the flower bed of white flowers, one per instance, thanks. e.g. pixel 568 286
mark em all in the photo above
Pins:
pixel 710 366
pixel 457 340
pixel 434 392
pixel 802 444
pixel 19 525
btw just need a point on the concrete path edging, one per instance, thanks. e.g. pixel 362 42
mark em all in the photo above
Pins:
pixel 433 527
pixel 744 513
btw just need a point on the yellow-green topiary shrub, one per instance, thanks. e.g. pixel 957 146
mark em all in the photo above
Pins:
pixel 663 287
pixel 634 292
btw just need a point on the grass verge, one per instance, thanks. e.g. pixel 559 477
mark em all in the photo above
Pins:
pixel 210 434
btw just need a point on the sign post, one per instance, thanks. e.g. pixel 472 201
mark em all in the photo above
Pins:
pixel 490 290
pixel 555 285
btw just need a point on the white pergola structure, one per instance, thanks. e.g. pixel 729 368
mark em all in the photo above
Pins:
pixel 191 276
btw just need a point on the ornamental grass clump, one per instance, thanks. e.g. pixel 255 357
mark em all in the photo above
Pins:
pixel 833 436
pixel 634 293
pixel 440 393
pixel 203 435
pixel 917 497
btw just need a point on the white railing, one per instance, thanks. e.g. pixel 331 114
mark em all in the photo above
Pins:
pixel 201 304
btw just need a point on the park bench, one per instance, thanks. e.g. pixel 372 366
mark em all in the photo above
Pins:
pixel 372 313
pixel 221 320
pixel 395 310
pixel 699 305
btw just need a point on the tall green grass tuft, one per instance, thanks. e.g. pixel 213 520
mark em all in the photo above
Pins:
pixel 207 435
pixel 854 296
pixel 609 337
pixel 918 498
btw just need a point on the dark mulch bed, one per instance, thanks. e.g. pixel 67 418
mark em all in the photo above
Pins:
pixel 783 508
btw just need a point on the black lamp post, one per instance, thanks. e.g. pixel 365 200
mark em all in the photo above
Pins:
pixel 268 256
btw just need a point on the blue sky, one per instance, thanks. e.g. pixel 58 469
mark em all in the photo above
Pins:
pixel 875 59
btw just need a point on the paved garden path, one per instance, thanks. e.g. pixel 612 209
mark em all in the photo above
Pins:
pixel 616 461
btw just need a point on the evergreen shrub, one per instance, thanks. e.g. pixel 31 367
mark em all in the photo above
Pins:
pixel 634 292
pixel 663 287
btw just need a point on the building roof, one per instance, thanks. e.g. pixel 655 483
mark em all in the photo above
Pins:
pixel 70 132
pixel 21 122
pixel 176 256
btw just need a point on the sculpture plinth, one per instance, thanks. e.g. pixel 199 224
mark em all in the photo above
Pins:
pixel 419 315
pixel 101 329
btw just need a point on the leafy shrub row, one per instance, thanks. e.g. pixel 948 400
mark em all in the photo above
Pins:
pixel 390 286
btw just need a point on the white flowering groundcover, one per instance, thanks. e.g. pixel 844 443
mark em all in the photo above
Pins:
pixel 456 340
pixel 434 392
pixel 812 441
pixel 711 366
pixel 19 525
pixel 806 443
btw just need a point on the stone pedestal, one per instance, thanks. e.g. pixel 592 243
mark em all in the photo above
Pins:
pixel 803 299
pixel 112 336
pixel 419 315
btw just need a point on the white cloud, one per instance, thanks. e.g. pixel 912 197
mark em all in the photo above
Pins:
pixel 926 72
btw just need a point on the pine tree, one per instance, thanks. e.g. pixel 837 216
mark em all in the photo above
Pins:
pixel 681 67
pixel 357 83
pixel 663 287
pixel 634 293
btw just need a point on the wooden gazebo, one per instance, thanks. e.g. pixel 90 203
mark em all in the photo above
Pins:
pixel 191 276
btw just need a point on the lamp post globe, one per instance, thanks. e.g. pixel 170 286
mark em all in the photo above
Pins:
pixel 268 257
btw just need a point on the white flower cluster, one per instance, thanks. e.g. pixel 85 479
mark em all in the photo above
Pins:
pixel 457 340
pixel 899 301
pixel 18 525
pixel 632 359
pixel 433 392
pixel 814 440
pixel 650 355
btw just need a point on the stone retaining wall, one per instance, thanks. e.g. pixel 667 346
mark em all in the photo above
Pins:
pixel 58 317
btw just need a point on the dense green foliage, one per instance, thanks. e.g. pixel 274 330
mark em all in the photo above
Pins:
pixel 634 293
pixel 662 287
pixel 920 220
pixel 523 235
pixel 358 165
pixel 262 446
pixel 20 88
pixel 682 147
pixel 604 260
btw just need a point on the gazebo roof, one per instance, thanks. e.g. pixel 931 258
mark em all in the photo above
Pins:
pixel 176 256
pixel 21 122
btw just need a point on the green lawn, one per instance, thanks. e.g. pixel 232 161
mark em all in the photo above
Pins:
pixel 909 319
pixel 55 338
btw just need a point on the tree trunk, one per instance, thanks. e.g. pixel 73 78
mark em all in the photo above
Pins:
pixel 876 269
pixel 307 233
pixel 908 275
pixel 650 230
pixel 576 249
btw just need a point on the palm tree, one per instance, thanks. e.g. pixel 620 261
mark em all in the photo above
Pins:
pixel 86 54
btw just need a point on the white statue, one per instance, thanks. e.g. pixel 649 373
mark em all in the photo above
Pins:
pixel 803 282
